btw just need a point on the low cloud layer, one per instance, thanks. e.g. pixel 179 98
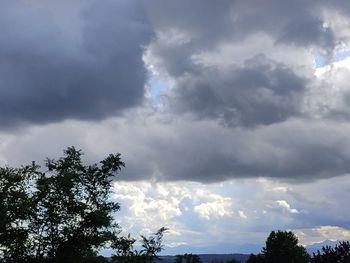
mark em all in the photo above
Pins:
pixel 167 148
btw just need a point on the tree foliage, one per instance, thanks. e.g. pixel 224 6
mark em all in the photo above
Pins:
pixel 281 246
pixel 73 211
pixel 187 258
pixel 151 246
pixel 15 210
pixel 63 214
pixel 255 259
pixel 339 254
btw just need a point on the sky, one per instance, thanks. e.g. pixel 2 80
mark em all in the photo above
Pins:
pixel 232 116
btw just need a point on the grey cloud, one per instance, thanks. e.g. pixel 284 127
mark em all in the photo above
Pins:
pixel 327 209
pixel 297 151
pixel 94 69
pixel 308 31
pixel 205 21
pixel 46 75
pixel 259 91
pixel 210 22
pixel 169 148
pixel 300 23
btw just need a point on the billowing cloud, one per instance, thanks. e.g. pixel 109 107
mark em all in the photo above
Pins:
pixel 220 207
pixel 255 92
pixel 88 63
pixel 240 211
pixel 244 68
pixel 284 204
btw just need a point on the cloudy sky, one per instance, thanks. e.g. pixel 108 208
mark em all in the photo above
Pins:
pixel 232 116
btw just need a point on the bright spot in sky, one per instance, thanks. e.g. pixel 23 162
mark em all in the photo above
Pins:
pixel 320 61
pixel 156 89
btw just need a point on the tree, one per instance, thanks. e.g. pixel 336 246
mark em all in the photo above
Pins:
pixel 73 216
pixel 151 246
pixel 187 258
pixel 61 215
pixel 255 259
pixel 282 246
pixel 15 210
pixel 340 253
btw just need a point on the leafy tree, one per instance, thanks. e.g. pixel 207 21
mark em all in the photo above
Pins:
pixel 151 246
pixel 187 258
pixel 282 246
pixel 73 216
pixel 63 214
pixel 15 211
pixel 341 253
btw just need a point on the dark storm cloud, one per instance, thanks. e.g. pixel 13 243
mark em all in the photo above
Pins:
pixel 299 22
pixel 244 118
pixel 46 75
pixel 208 23
pixel 259 91
pixel 94 70
pixel 308 31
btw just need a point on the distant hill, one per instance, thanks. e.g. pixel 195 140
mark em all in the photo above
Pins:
pixel 210 258
pixel 223 248
pixel 213 258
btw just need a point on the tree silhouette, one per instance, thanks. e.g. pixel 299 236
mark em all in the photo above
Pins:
pixel 281 246
pixel 15 210
pixel 151 246
pixel 65 213
pixel 255 259
pixel 341 253
pixel 187 258
pixel 73 212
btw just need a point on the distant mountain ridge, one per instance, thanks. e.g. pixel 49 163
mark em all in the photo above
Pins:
pixel 318 246
pixel 209 258
pixel 241 257
pixel 223 248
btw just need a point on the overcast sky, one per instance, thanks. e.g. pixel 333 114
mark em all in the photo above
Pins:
pixel 232 116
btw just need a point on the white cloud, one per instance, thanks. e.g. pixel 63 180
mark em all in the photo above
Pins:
pixel 222 207
pixel 308 236
pixel 242 214
pixel 284 204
